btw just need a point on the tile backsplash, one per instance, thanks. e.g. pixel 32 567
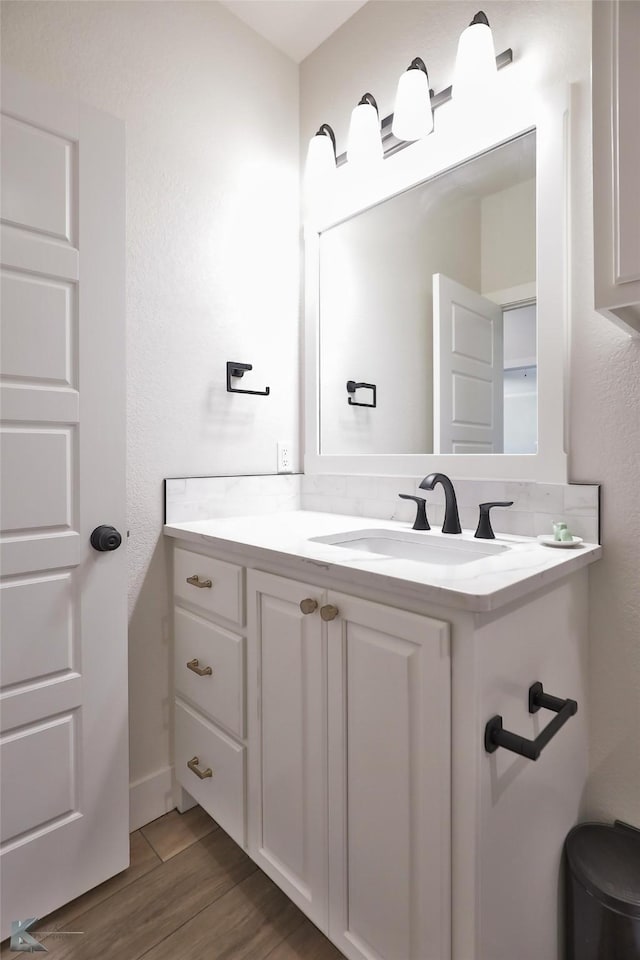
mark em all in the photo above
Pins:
pixel 535 505
pixel 202 498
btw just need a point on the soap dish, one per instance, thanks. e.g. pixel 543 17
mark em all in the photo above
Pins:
pixel 549 541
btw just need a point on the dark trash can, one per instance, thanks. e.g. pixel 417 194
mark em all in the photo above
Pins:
pixel 602 879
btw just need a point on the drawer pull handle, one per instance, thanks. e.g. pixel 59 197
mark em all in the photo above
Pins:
pixel 308 606
pixel 193 766
pixel 195 666
pixel 329 612
pixel 195 581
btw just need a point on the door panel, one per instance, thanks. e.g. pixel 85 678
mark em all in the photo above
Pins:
pixel 64 653
pixel 43 606
pixel 43 161
pixel 468 374
pixel 38 699
pixel 43 753
pixel 39 254
pixel 287 679
pixel 472 400
pixel 389 775
pixel 35 329
pixel 36 478
pixel 472 336
pixel 41 405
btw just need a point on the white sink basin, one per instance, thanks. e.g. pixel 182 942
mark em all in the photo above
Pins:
pixel 415 545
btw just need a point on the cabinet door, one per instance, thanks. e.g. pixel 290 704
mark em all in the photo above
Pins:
pixel 389 783
pixel 287 740
pixel 616 160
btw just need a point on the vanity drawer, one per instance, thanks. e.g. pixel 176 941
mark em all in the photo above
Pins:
pixel 222 793
pixel 220 693
pixel 214 585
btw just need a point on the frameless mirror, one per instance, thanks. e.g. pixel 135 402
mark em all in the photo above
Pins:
pixel 430 298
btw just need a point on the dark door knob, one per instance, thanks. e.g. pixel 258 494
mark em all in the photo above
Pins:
pixel 105 538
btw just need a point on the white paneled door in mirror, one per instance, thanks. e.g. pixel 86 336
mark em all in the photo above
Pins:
pixel 468 370
pixel 63 700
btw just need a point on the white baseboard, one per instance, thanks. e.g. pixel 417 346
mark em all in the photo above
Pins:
pixel 150 797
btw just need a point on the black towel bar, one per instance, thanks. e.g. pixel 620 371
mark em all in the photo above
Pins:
pixel 496 736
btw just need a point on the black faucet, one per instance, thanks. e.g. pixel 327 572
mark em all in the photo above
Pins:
pixel 451 519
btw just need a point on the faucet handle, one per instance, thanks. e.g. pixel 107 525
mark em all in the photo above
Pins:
pixel 484 529
pixel 421 522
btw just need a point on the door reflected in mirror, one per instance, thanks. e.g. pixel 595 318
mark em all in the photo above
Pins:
pixel 431 297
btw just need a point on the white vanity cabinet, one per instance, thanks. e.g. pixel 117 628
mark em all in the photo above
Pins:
pixel 339 738
pixel 616 161
pixel 350 765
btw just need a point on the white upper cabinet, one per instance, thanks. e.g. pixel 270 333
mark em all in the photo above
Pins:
pixel 616 161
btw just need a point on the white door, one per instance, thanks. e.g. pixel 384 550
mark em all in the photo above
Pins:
pixel 63 702
pixel 287 739
pixel 468 370
pixel 389 783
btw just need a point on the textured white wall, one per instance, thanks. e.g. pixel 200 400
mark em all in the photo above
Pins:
pixel 509 237
pixel 211 115
pixel 551 41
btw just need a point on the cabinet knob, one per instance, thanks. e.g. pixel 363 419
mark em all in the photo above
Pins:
pixel 195 666
pixel 195 581
pixel 193 766
pixel 329 612
pixel 308 605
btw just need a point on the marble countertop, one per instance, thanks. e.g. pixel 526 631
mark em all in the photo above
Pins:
pixel 481 585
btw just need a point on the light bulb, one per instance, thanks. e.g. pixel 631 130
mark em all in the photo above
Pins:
pixel 412 114
pixel 476 69
pixel 364 147
pixel 320 168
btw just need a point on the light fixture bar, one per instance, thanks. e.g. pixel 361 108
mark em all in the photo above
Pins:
pixel 391 144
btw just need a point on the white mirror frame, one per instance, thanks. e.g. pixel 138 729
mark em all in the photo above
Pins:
pixel 548 114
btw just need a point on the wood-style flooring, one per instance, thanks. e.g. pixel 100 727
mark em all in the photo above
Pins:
pixel 190 893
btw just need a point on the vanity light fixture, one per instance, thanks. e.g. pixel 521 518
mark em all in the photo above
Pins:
pixel 371 139
pixel 364 146
pixel 412 113
pixel 476 68
pixel 321 157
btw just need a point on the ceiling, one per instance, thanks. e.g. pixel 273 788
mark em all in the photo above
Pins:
pixel 296 27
